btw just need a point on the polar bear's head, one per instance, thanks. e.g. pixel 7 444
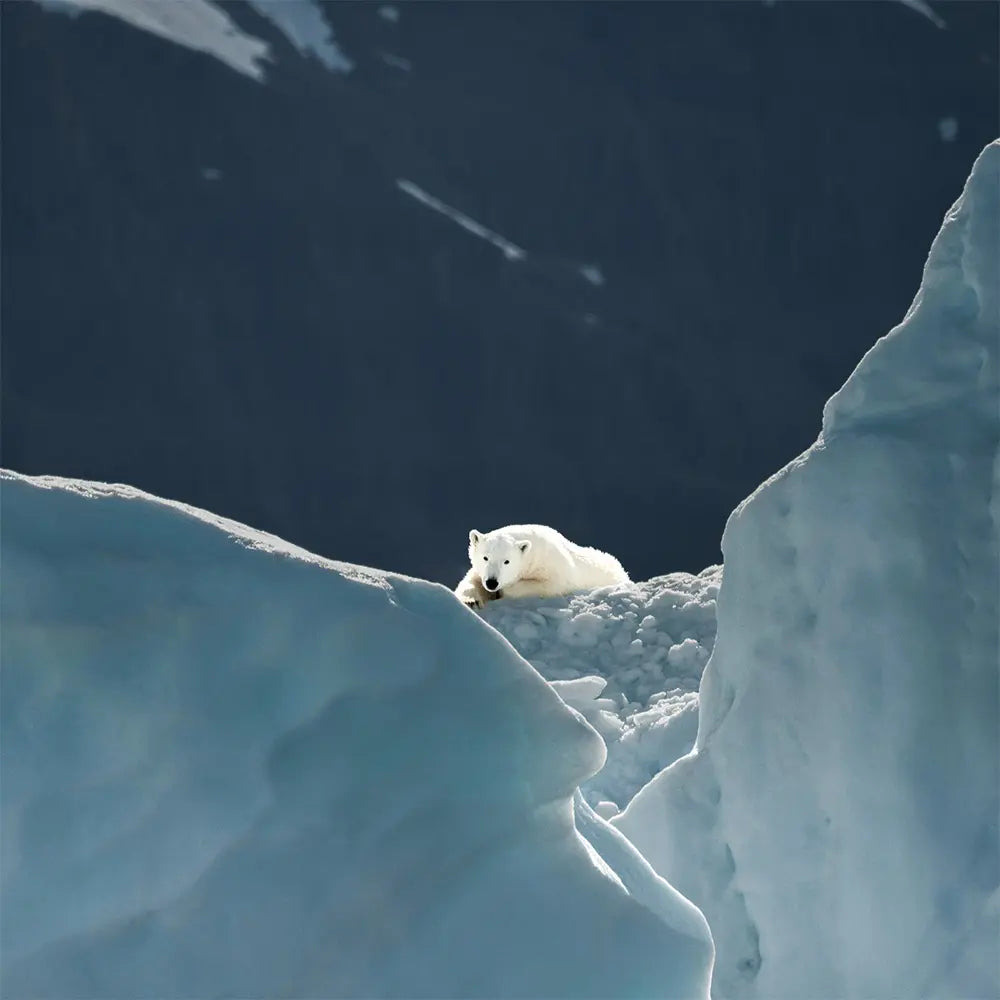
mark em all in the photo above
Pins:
pixel 498 558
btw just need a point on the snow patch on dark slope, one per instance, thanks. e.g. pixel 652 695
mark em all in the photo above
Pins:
pixel 204 26
pixel 305 23
pixel 195 24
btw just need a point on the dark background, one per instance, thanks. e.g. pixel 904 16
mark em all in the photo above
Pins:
pixel 296 343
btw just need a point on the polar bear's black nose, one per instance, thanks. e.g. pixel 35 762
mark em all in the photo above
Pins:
pixel 491 583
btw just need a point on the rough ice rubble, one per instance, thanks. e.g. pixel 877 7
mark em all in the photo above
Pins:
pixel 230 768
pixel 837 821
pixel 630 659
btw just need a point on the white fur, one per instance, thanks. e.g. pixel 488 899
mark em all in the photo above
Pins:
pixel 532 560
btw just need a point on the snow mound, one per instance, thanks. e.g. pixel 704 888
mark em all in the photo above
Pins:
pixel 232 768
pixel 629 658
pixel 837 821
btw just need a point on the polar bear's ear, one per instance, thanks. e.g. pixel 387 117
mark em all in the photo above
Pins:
pixel 524 545
pixel 474 537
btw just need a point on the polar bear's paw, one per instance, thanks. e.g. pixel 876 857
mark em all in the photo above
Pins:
pixel 473 594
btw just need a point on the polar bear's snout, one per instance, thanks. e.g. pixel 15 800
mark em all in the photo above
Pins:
pixel 491 584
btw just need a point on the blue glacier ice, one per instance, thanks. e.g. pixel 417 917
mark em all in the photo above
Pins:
pixel 837 819
pixel 232 768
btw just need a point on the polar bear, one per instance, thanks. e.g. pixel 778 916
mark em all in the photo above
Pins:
pixel 532 560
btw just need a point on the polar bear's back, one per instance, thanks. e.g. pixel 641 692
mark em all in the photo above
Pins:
pixel 567 565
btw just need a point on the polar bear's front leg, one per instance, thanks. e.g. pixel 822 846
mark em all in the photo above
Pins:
pixel 471 591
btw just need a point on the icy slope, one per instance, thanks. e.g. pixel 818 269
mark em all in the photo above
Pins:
pixel 231 768
pixel 837 822
pixel 629 658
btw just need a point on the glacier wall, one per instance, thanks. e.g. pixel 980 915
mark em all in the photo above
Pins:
pixel 837 821
pixel 231 768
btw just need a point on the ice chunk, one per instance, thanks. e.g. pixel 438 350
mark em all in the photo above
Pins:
pixel 231 768
pixel 837 821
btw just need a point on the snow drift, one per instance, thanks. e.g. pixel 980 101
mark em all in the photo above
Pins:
pixel 231 768
pixel 837 819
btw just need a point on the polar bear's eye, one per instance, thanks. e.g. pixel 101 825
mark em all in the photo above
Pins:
pixel 506 562
pixel 486 558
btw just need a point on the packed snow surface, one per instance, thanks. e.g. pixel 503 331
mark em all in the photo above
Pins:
pixel 837 821
pixel 508 249
pixel 232 768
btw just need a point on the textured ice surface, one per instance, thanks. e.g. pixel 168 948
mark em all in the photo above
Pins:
pixel 837 822
pixel 231 768
pixel 630 659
